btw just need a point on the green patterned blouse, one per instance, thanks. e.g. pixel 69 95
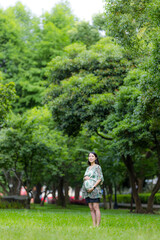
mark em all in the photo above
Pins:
pixel 95 173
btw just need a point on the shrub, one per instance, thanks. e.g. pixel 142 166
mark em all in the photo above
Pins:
pixel 126 198
pixel 10 205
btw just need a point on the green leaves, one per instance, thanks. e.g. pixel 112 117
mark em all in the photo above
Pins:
pixel 86 84
pixel 128 22
pixel 84 33
pixel 27 44
pixel 7 98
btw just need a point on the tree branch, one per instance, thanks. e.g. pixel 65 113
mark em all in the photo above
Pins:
pixel 103 136
pixel 19 179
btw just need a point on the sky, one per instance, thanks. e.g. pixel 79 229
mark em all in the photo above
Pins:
pixel 83 9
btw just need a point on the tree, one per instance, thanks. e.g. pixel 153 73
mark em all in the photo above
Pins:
pixel 99 21
pixel 149 107
pixel 16 57
pixel 84 33
pixel 132 135
pixel 83 99
pixel 22 155
pixel 84 86
pixel 10 45
pixel 31 143
pixel 27 44
pixel 58 170
pixel 131 23
pixel 137 28
pixel 7 98
pixel 61 15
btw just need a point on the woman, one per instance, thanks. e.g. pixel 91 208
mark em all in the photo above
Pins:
pixel 91 189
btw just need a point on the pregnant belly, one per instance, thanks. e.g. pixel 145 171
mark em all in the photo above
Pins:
pixel 89 183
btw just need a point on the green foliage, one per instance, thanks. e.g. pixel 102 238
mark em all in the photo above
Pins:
pixel 11 205
pixel 126 198
pixel 99 21
pixel 16 54
pixel 30 144
pixel 7 98
pixel 11 46
pixel 83 94
pixel 84 33
pixel 94 88
pixel 134 123
pixel 82 83
pixel 61 16
pixel 105 60
pixel 27 44
pixel 21 153
pixel 133 23
pixel 74 49
pixel 131 135
pixel 22 150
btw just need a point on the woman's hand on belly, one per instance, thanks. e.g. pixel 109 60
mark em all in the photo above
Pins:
pixel 86 178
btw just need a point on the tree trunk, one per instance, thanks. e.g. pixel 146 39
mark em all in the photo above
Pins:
pixel 140 184
pixel 115 197
pixel 66 189
pixel 157 186
pixel 132 200
pixel 104 197
pixel 77 190
pixel 61 197
pixel 54 193
pixel 28 201
pixel 151 197
pixel 16 185
pixel 38 193
pixel 110 196
pixel 133 181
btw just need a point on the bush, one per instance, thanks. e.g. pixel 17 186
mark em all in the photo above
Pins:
pixel 10 205
pixel 126 198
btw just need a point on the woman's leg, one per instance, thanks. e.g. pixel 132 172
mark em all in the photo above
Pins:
pixel 97 213
pixel 93 213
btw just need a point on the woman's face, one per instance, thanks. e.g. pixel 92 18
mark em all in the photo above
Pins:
pixel 91 158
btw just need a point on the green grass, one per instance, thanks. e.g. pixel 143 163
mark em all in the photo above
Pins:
pixel 50 222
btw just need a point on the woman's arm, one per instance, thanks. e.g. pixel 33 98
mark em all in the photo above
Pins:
pixel 86 178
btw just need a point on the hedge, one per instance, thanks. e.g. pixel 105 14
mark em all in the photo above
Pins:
pixel 126 198
pixel 11 205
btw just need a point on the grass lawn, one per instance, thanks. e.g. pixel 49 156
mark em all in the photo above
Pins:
pixel 50 222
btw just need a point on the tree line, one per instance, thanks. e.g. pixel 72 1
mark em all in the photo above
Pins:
pixel 77 89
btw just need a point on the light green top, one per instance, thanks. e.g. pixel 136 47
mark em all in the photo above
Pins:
pixel 95 173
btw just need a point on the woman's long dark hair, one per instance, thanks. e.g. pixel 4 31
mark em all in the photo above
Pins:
pixel 97 161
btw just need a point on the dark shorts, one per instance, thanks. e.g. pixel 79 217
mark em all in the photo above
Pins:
pixel 92 200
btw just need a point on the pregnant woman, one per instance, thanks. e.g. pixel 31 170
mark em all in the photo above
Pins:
pixel 91 189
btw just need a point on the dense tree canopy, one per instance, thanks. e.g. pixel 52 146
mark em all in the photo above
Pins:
pixel 84 86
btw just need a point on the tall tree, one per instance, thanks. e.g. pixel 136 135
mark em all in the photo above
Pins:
pixel 84 86
pixel 136 26
pixel 28 43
